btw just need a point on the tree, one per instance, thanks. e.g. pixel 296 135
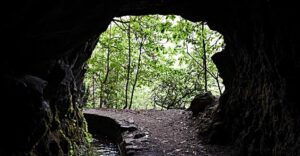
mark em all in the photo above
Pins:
pixel 153 60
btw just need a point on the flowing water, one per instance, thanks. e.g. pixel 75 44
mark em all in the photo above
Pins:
pixel 102 146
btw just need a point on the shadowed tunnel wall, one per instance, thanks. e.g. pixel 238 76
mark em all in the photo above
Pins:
pixel 45 44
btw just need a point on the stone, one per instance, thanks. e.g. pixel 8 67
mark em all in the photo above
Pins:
pixel 139 135
pixel 200 102
pixel 128 126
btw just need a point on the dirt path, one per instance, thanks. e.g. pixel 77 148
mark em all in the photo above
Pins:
pixel 169 132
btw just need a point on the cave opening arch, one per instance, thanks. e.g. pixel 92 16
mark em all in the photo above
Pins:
pixel 54 44
pixel 108 47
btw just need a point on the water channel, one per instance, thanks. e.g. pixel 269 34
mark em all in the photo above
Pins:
pixel 103 146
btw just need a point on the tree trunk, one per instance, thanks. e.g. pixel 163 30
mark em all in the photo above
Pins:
pixel 197 84
pixel 128 66
pixel 104 82
pixel 86 94
pixel 136 75
pixel 94 101
pixel 204 58
pixel 101 95
pixel 218 83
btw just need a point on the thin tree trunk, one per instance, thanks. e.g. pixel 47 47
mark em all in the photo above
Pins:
pixel 94 101
pixel 218 83
pixel 165 99
pixel 102 98
pixel 128 67
pixel 197 85
pixel 101 95
pixel 216 77
pixel 86 94
pixel 136 75
pixel 204 58
pixel 106 77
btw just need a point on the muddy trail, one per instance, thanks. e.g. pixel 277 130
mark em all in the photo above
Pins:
pixel 160 133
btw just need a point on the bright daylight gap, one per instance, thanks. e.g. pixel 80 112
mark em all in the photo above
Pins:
pixel 152 62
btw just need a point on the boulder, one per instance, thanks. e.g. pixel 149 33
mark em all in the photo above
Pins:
pixel 200 102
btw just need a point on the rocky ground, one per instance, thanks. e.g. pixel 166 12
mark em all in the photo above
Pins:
pixel 160 133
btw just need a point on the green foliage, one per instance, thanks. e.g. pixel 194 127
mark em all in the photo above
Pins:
pixel 167 63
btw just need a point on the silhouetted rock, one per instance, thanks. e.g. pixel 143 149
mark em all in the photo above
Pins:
pixel 200 102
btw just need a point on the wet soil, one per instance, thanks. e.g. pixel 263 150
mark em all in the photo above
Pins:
pixel 160 133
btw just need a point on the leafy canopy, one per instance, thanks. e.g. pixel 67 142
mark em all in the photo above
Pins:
pixel 169 58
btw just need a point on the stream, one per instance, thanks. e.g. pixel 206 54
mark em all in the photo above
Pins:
pixel 102 146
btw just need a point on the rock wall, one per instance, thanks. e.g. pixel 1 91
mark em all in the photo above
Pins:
pixel 40 113
pixel 260 67
pixel 45 45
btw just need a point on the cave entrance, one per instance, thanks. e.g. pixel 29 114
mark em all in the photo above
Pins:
pixel 152 62
pixel 145 64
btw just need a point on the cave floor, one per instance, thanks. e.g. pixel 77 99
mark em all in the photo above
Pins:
pixel 168 132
